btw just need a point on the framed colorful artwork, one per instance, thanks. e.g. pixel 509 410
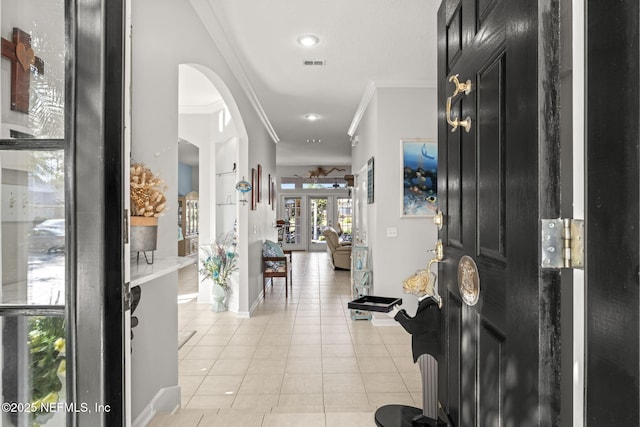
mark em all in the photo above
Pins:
pixel 419 157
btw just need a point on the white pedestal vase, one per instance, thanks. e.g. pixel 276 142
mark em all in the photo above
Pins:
pixel 219 298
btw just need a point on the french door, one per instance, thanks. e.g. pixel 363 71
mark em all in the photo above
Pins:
pixel 328 211
pixel 61 234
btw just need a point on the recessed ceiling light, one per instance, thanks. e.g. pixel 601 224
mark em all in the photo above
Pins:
pixel 311 117
pixel 308 40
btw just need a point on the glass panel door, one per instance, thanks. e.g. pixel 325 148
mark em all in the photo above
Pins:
pixel 344 218
pixel 33 69
pixel 293 227
pixel 329 211
pixel 61 238
pixel 33 227
pixel 318 220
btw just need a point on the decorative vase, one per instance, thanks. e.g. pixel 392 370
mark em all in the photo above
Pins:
pixel 219 298
pixel 144 235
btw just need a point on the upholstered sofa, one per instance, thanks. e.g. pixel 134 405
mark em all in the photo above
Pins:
pixel 339 253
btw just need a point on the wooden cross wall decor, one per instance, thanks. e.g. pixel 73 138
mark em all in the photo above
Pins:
pixel 23 58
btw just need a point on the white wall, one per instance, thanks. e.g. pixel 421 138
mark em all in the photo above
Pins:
pixel 393 114
pixel 368 136
pixel 156 54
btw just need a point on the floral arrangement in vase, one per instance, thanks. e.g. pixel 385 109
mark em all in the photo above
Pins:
pixel 220 260
pixel 147 192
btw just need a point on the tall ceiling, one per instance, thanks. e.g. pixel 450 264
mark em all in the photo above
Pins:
pixel 362 43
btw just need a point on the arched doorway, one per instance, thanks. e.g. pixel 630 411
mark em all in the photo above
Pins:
pixel 209 119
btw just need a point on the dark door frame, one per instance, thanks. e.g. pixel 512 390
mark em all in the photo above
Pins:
pixel 99 208
pixel 93 145
pixel 612 216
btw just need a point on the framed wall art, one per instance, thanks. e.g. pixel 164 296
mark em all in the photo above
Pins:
pixel 273 194
pixel 253 189
pixel 419 157
pixel 370 177
pixel 259 184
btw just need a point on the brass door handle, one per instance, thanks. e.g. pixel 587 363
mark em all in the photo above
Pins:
pixel 460 87
pixel 439 250
pixel 439 254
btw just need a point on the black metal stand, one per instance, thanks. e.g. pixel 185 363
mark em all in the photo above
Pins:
pixel 404 416
pixel 145 257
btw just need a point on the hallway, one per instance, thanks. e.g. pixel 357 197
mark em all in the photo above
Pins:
pixel 299 361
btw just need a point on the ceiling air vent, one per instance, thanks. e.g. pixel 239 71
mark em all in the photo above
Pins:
pixel 314 63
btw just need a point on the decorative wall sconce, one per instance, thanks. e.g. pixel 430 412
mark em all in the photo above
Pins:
pixel 243 187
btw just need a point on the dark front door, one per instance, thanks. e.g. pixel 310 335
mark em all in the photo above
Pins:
pixel 499 169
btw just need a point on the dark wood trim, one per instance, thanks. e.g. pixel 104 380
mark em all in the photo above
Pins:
pixel 612 187
pixel 114 211
pixel 549 295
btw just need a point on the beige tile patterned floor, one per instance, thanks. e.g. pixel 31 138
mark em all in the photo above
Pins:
pixel 298 361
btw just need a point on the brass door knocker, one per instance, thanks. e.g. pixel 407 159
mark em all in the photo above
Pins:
pixel 466 89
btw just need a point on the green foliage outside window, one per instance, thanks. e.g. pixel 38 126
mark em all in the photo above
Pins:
pixel 47 350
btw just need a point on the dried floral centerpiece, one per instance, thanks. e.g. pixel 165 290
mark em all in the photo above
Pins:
pixel 148 203
pixel 217 263
pixel 147 192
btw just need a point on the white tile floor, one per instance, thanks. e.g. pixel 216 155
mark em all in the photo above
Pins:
pixel 299 361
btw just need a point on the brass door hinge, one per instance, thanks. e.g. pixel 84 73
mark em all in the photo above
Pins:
pixel 562 243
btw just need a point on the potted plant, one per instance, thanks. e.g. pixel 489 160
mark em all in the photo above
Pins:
pixel 148 203
pixel 217 262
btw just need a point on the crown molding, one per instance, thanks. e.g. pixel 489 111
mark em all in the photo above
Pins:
pixel 207 16
pixel 371 89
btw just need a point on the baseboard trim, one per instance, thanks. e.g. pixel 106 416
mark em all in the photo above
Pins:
pixel 166 400
pixel 254 306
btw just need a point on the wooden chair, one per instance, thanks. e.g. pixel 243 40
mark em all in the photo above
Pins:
pixel 276 266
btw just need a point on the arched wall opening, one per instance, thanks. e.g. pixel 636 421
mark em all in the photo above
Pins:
pixel 210 119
